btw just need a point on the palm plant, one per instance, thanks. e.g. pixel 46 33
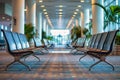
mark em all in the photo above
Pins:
pixel 112 14
pixel 29 31
pixel 75 33
pixel 87 32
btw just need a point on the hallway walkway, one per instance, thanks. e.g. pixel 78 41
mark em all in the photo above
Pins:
pixel 59 67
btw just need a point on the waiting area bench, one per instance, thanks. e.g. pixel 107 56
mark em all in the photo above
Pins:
pixel 79 43
pixel 2 44
pixel 100 46
pixel 17 47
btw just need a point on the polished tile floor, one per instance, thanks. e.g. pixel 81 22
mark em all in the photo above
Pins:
pixel 60 65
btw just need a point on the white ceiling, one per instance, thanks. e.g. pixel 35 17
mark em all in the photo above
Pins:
pixel 68 9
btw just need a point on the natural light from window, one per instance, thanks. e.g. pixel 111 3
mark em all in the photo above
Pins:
pixel 59 32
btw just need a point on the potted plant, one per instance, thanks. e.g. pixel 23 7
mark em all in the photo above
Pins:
pixel 29 32
pixel 44 36
pixel 75 33
pixel 87 33
pixel 112 14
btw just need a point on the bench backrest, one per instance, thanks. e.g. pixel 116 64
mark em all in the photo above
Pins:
pixel 11 46
pixel 37 42
pixel 90 41
pixel 97 40
pixel 81 41
pixel 17 41
pixel 25 40
pixel 108 45
pixel 102 40
pixel 22 41
pixel 93 41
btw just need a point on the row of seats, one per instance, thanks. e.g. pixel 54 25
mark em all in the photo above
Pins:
pixel 18 47
pixel 99 46
pixel 79 43
pixel 2 44
pixel 42 48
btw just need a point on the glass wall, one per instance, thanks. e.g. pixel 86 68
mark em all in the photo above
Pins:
pixel 60 37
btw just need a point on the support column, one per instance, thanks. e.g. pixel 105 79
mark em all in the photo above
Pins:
pixel 97 17
pixel 79 22
pixel 18 15
pixel 86 18
pixel 82 22
pixel 39 24
pixel 47 29
pixel 44 25
pixel 31 12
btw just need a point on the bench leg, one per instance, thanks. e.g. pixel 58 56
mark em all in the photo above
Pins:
pixel 82 57
pixel 37 57
pixel 94 65
pixel 41 51
pixel 25 65
pixel 110 65
pixel 9 65
pixel 19 62
pixel 99 62
pixel 34 56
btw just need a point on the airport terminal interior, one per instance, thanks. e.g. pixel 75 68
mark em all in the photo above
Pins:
pixel 59 40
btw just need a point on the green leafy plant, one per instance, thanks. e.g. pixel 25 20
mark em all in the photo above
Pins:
pixel 44 36
pixel 112 14
pixel 117 41
pixel 87 33
pixel 29 31
pixel 75 33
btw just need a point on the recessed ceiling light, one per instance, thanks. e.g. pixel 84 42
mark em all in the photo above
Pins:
pixel 75 12
pixel 73 15
pixel 82 0
pixel 77 9
pixel 79 5
pixel 60 10
pixel 45 13
pixel 60 5
pixel 44 9
pixel 40 1
pixel 42 5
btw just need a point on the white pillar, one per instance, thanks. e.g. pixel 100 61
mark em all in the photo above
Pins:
pixel 31 12
pixel 47 30
pixel 44 25
pixel 97 17
pixel 41 24
pixel 82 22
pixel 86 18
pixel 79 22
pixel 18 15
